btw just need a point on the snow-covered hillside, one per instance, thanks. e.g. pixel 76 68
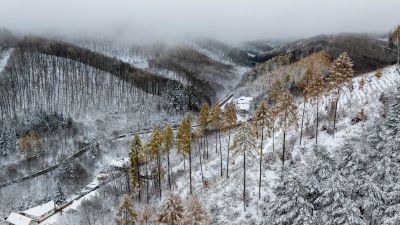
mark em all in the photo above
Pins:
pixel 223 196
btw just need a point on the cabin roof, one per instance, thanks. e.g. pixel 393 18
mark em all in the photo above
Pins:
pixel 18 219
pixel 40 210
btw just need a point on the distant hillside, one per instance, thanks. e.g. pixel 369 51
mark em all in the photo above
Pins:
pixel 199 69
pixel 237 55
pixel 367 53
pixel 144 80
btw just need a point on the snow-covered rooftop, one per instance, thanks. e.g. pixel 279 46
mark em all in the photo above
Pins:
pixel 40 210
pixel 120 163
pixel 18 219
pixel 244 100
pixel 243 103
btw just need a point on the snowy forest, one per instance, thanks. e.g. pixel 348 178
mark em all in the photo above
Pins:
pixel 101 130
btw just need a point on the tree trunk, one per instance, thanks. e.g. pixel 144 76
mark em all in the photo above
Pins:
pixel 169 174
pixel 334 117
pixel 398 55
pixel 159 174
pixel 138 176
pixel 316 128
pixel 128 182
pixel 283 148
pixel 190 171
pixel 216 142
pixel 244 180
pixel 220 151
pixel 261 155
pixel 273 135
pixel 227 160
pixel 207 145
pixel 147 179
pixel 201 164
pixel 302 119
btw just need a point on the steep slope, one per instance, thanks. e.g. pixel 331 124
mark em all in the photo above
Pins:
pixel 223 196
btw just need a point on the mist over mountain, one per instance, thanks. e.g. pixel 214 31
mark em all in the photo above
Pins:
pixel 229 21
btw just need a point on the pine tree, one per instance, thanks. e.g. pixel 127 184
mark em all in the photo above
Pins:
pixel 335 203
pixel 156 141
pixel 136 157
pixel 262 120
pixel 196 214
pixel 199 135
pixel 126 213
pixel 316 84
pixel 342 73
pixel 146 215
pixel 274 94
pixel 204 117
pixel 168 143
pixel 184 142
pixel 215 120
pixel 146 151
pixel 304 84
pixel 230 120
pixel 245 140
pixel 59 197
pixel 172 211
pixel 291 204
pixel 286 111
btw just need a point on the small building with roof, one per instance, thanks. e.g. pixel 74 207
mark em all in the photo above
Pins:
pixel 40 212
pixel 18 219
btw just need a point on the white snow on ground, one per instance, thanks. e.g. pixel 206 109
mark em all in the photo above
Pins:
pixel 4 56
pixel 223 196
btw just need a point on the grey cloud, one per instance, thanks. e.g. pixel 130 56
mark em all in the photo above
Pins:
pixel 226 20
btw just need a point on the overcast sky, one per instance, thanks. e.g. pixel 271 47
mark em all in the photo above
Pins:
pixel 225 20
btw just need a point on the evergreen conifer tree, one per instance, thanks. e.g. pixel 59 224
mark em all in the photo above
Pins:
pixel 245 141
pixel 172 211
pixel 196 214
pixel 342 73
pixel 262 120
pixel 291 204
pixel 286 111
pixel 184 142
pixel 168 143
pixel 155 144
pixel 136 157
pixel 215 120
pixel 204 119
pixel 230 120
pixel 126 213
